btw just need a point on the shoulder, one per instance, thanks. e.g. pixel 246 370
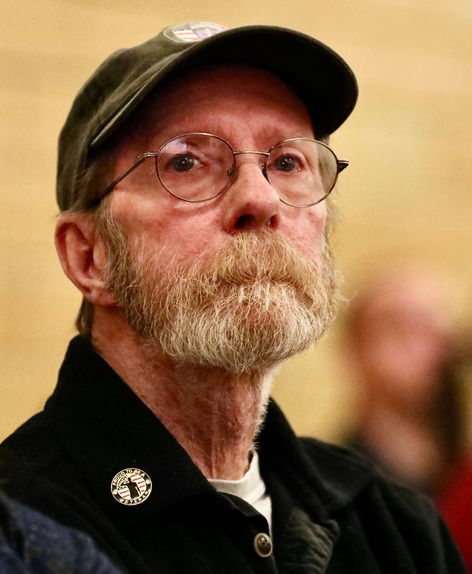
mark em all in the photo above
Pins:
pixel 358 480
pixel 35 470
pixel 340 476
pixel 27 451
pixel 341 473
pixel 335 458
pixel 389 513
pixel 30 449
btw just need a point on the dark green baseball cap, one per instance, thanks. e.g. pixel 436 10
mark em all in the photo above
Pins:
pixel 319 76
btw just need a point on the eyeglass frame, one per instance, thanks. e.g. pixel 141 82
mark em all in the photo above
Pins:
pixel 341 164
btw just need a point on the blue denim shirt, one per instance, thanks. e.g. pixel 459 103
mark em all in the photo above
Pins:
pixel 32 543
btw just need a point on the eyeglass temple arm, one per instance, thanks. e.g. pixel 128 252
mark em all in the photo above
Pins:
pixel 138 161
pixel 342 164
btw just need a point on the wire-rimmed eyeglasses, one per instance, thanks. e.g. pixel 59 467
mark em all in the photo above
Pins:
pixel 197 167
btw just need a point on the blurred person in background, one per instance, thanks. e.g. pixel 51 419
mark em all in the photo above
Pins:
pixel 398 331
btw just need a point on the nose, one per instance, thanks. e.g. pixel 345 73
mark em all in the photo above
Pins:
pixel 252 203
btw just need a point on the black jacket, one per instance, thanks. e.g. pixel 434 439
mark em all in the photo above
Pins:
pixel 332 513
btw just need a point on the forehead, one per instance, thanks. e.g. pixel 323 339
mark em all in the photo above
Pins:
pixel 221 93
pixel 235 78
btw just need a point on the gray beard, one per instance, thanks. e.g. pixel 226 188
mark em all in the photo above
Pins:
pixel 243 309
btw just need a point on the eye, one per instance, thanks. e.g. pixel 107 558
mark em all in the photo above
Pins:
pixel 285 163
pixel 182 162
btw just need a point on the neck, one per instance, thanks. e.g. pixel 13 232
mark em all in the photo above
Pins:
pixel 213 414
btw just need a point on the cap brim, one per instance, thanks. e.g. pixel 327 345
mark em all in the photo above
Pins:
pixel 319 76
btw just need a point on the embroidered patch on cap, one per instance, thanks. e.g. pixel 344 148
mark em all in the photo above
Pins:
pixel 193 31
pixel 131 486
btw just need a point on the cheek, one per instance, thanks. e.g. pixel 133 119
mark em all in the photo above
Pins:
pixel 178 233
pixel 306 229
pixel 188 230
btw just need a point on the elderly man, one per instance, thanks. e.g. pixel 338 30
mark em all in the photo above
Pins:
pixel 192 176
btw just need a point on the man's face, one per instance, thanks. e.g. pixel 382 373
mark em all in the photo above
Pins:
pixel 242 281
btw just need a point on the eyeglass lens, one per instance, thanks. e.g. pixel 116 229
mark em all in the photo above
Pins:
pixel 197 167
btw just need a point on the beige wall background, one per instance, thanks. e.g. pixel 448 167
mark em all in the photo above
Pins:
pixel 407 192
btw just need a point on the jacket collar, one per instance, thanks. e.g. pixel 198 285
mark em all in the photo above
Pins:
pixel 105 428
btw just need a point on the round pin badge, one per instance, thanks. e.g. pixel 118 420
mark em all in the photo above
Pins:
pixel 193 31
pixel 131 486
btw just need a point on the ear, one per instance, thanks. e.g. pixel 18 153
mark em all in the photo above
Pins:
pixel 83 256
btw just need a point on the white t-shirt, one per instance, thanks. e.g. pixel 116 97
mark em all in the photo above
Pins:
pixel 250 488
